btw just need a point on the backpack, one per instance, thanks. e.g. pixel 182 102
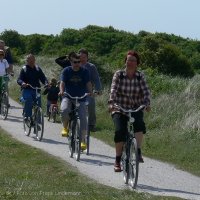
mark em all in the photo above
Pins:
pixel 25 69
pixel 121 75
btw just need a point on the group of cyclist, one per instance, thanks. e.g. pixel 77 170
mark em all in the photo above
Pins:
pixel 129 90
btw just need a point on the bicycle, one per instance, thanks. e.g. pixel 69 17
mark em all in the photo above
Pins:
pixel 129 160
pixel 75 135
pixel 53 111
pixel 4 99
pixel 36 120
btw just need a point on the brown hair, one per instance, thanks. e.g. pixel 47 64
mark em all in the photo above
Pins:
pixel 135 54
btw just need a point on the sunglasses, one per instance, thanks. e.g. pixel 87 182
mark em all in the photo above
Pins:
pixel 76 62
pixel 1 54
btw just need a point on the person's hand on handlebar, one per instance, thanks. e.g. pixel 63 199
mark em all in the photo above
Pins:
pixel 24 85
pixel 148 108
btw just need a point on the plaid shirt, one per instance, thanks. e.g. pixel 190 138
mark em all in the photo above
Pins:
pixel 129 93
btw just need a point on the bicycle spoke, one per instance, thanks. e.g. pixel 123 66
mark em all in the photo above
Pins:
pixel 133 164
pixel 27 126
pixel 71 140
pixel 124 162
pixel 39 124
pixel 4 105
pixel 77 140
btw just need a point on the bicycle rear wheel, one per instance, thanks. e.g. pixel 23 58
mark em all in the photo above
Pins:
pixel 88 141
pixel 125 165
pixel 133 164
pixel 4 105
pixel 77 137
pixel 39 124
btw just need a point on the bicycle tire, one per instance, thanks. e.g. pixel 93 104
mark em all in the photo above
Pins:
pixel 54 116
pixel 133 164
pixel 124 162
pixel 4 105
pixel 39 123
pixel 77 138
pixel 71 138
pixel 27 126
pixel 88 141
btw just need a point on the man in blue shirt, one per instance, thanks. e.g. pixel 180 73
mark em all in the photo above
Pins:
pixel 30 74
pixel 75 80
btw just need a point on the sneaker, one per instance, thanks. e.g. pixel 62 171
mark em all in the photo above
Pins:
pixel 140 159
pixel 117 167
pixel 83 146
pixel 65 132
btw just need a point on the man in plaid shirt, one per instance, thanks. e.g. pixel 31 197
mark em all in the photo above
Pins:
pixel 128 90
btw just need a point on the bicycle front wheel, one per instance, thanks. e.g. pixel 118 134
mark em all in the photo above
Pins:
pixel 125 165
pixel 39 124
pixel 77 137
pixel 27 125
pixel 71 140
pixel 4 105
pixel 133 164
pixel 88 141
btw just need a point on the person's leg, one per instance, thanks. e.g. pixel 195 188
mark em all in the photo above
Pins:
pixel 92 113
pixel 48 107
pixel 140 130
pixel 27 95
pixel 65 109
pixel 120 123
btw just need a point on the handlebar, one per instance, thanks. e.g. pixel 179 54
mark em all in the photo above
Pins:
pixel 130 110
pixel 77 98
pixel 35 88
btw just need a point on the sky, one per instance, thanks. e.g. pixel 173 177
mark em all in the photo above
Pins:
pixel 176 17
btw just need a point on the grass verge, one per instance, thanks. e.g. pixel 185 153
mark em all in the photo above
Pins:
pixel 29 173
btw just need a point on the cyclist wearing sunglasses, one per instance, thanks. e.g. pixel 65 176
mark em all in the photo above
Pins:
pixel 75 81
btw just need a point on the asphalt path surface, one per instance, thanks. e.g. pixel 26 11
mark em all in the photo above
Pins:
pixel 155 177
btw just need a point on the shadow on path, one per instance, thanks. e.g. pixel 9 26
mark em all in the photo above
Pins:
pixel 161 190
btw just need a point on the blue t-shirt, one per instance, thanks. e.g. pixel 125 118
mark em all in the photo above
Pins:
pixel 75 81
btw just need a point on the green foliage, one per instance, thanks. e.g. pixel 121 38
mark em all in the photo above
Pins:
pixel 172 62
pixel 169 54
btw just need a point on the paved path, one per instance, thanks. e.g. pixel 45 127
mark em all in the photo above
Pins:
pixel 155 177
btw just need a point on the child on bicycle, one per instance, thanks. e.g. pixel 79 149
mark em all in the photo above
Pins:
pixel 129 90
pixel 3 68
pixel 52 92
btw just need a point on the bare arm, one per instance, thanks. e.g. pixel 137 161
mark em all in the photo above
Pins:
pixel 62 88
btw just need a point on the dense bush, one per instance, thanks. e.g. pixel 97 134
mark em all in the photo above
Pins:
pixel 169 54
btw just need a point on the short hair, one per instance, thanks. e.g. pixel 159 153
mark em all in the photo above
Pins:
pixel 84 51
pixel 74 55
pixel 133 53
pixel 71 54
pixel 53 81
